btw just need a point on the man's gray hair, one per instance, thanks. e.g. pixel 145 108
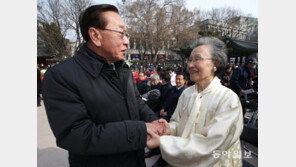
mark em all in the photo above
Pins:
pixel 218 51
pixel 155 76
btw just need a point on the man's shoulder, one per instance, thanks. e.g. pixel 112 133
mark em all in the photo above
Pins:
pixel 172 88
pixel 64 64
pixel 63 68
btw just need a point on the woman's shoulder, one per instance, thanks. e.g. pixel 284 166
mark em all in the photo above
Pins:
pixel 228 96
pixel 227 92
pixel 189 89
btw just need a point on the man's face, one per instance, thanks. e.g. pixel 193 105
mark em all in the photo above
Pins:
pixel 180 81
pixel 155 81
pixel 114 44
pixel 141 76
pixel 251 65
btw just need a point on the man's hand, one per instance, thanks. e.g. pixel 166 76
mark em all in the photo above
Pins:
pixel 151 127
pixel 154 140
pixel 242 92
pixel 161 128
pixel 162 113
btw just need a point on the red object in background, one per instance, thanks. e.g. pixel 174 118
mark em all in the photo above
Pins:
pixel 138 80
pixel 135 74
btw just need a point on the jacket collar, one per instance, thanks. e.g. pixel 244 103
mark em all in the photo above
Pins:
pixel 214 83
pixel 180 88
pixel 92 62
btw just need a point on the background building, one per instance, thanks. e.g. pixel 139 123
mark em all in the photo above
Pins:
pixel 242 28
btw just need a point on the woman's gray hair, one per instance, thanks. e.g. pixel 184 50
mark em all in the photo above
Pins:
pixel 155 76
pixel 218 51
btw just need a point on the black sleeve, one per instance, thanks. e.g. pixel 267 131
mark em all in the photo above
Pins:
pixel 76 132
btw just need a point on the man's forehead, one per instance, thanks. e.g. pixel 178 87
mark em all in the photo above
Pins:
pixel 179 76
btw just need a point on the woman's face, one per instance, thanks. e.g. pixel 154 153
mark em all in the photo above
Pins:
pixel 200 64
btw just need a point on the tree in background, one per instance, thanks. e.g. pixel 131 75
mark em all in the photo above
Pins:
pixel 158 24
pixel 59 19
pixel 54 41
pixel 72 10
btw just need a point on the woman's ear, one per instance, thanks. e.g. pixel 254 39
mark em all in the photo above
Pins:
pixel 95 36
pixel 216 65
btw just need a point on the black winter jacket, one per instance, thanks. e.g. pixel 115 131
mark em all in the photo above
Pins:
pixel 96 112
pixel 171 100
pixel 239 79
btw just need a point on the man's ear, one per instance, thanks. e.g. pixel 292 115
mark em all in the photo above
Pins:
pixel 95 36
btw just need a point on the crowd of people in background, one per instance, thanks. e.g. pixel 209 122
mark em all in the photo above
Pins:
pixel 245 74
pixel 150 77
pixel 41 69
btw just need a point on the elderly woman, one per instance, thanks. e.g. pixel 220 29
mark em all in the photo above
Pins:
pixel 206 126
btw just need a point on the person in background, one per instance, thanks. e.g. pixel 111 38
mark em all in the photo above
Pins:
pixel 226 76
pixel 173 76
pixel 151 67
pixel 148 72
pixel 155 82
pixel 153 71
pixel 189 83
pixel 236 65
pixel 166 86
pixel 144 84
pixel 242 77
pixel 172 97
pixel 149 84
pixel 141 77
pixel 136 74
pixel 208 119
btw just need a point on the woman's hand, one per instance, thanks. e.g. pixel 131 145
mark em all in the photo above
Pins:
pixel 167 127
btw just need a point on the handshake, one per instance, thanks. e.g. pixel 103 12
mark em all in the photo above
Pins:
pixel 156 129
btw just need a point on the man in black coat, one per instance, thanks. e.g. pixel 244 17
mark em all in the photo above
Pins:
pixel 93 106
pixel 242 77
pixel 166 85
pixel 172 97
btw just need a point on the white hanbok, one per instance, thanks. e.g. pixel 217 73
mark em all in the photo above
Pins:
pixel 205 129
